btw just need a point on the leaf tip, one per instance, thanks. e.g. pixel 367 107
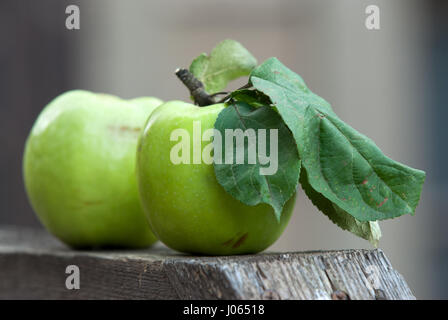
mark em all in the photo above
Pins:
pixel 278 214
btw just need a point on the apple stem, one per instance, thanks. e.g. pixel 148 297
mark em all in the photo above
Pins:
pixel 196 88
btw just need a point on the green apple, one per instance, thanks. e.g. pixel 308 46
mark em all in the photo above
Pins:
pixel 187 208
pixel 79 169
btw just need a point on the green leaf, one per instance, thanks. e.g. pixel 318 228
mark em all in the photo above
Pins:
pixel 369 230
pixel 246 180
pixel 229 60
pixel 343 165
pixel 281 84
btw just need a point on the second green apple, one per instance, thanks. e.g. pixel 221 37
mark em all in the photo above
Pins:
pixel 79 169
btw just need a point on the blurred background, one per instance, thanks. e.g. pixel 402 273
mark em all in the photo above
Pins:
pixel 390 84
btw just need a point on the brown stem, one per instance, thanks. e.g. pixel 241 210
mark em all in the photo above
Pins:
pixel 196 88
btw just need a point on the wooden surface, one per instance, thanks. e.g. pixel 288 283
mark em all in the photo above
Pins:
pixel 33 264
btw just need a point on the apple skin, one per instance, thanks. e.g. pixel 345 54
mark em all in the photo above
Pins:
pixel 187 208
pixel 79 169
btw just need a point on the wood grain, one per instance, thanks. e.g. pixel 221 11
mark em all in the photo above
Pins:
pixel 32 266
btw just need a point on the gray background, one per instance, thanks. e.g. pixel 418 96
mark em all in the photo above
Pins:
pixel 389 84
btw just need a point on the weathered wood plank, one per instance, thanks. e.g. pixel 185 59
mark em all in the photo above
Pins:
pixel 32 266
